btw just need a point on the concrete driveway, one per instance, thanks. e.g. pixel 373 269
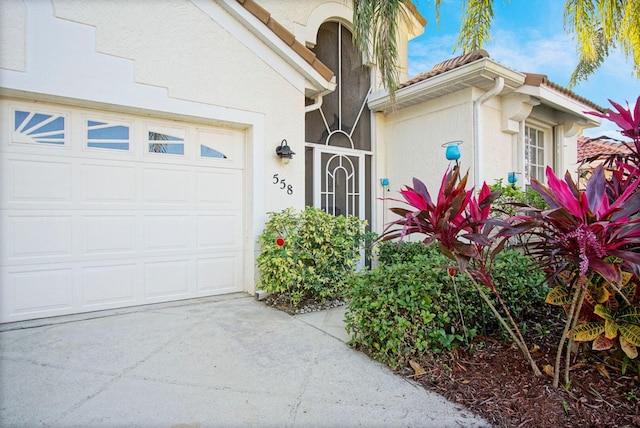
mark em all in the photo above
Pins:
pixel 227 361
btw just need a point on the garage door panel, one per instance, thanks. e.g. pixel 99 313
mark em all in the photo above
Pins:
pixel 219 230
pixel 41 290
pixel 166 186
pixel 39 181
pixel 219 274
pixel 220 188
pixel 166 232
pixel 166 278
pixel 108 183
pixel 39 236
pixel 97 221
pixel 108 284
pixel 108 234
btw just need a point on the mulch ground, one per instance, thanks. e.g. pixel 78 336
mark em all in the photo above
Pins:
pixel 496 382
pixel 493 380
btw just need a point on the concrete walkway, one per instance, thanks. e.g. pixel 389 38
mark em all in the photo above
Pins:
pixel 229 361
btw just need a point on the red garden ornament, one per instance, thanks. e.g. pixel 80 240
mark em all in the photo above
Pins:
pixel 280 241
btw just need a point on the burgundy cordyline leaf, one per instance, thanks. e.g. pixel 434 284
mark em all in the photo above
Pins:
pixel 414 199
pixel 624 118
pixel 421 189
pixel 563 194
pixel 598 203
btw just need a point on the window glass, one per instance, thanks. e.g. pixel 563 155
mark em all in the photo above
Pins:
pixel 106 135
pixel 534 153
pixel 208 152
pixel 39 128
pixel 166 142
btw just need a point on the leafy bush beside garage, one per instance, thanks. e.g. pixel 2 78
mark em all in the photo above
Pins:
pixel 309 254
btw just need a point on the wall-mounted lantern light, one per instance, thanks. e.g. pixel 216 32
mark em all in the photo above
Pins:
pixel 284 152
pixel 453 151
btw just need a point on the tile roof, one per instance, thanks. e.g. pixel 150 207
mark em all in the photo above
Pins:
pixel 542 80
pixel 447 65
pixel 286 36
pixel 530 78
pixel 590 148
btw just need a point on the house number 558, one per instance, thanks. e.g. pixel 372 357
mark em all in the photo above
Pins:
pixel 283 184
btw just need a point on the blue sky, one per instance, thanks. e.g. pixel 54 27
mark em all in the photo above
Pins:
pixel 528 36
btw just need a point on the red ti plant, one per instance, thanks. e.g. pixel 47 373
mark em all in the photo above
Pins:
pixel 589 242
pixel 628 120
pixel 459 221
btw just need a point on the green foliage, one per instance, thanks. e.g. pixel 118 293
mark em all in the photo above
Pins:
pixel 409 305
pixel 394 252
pixel 319 253
pixel 512 195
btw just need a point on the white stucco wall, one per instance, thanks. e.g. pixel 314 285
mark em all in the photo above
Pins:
pixel 497 146
pixel 413 139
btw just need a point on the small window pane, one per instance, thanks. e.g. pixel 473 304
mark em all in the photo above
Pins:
pixel 40 128
pixel 160 142
pixel 106 135
pixel 208 152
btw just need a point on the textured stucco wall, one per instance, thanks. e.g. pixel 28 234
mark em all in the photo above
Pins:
pixel 177 47
pixel 13 16
pixel 413 139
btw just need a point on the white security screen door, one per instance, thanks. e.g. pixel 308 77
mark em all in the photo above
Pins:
pixel 339 183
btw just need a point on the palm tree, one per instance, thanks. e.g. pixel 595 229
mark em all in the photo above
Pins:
pixel 599 26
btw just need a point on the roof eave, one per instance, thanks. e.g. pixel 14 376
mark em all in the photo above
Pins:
pixel 316 83
pixel 481 73
pixel 561 102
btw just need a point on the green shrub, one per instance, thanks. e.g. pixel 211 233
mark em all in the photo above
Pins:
pixel 409 305
pixel 510 195
pixel 319 253
pixel 390 252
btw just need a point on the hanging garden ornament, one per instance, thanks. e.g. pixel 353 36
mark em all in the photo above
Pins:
pixel 280 241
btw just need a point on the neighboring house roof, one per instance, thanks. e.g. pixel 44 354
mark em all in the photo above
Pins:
pixel 588 148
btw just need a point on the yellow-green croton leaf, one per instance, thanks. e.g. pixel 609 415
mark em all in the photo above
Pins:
pixel 603 312
pixel 630 314
pixel 610 328
pixel 628 348
pixel 630 332
pixel 558 296
pixel 587 331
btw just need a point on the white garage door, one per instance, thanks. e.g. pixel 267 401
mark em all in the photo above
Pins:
pixel 101 210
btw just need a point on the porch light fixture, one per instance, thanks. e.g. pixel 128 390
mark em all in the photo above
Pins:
pixel 284 152
pixel 453 151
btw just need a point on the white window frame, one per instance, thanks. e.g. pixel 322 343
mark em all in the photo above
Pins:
pixel 546 131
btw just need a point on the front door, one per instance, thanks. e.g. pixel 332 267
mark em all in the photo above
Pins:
pixel 338 134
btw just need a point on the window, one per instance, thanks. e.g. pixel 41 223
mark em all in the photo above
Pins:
pixel 106 135
pixel 166 141
pixel 208 152
pixel 534 153
pixel 39 128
